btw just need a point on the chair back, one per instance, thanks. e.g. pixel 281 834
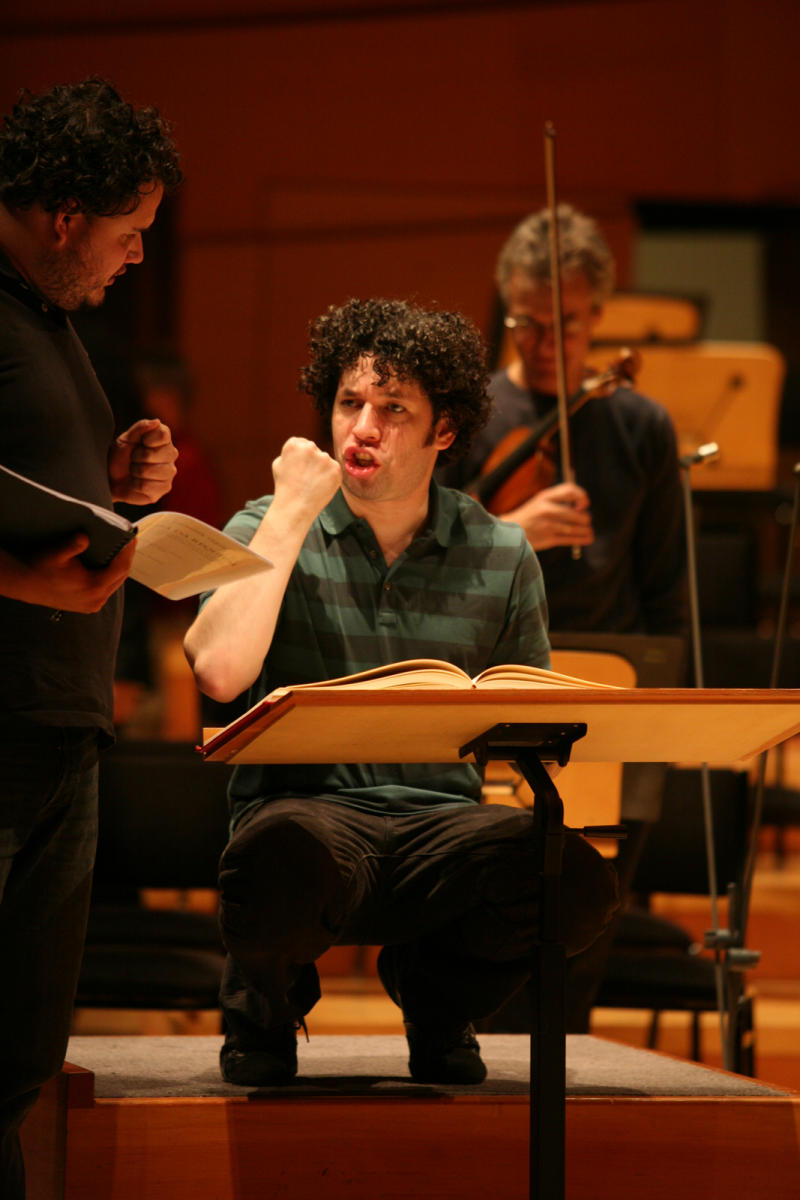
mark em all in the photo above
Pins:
pixel 590 792
pixel 674 859
pixel 605 793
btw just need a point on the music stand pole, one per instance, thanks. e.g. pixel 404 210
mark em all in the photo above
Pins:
pixel 530 746
pixel 718 938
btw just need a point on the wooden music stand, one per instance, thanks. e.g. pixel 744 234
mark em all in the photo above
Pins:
pixel 635 317
pixel 723 392
pixel 529 726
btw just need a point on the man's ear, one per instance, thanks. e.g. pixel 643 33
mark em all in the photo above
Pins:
pixel 64 220
pixel 444 434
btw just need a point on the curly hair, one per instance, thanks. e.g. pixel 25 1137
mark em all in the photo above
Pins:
pixel 582 249
pixel 442 352
pixel 83 146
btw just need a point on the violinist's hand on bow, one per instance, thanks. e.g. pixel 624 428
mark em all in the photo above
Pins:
pixel 555 516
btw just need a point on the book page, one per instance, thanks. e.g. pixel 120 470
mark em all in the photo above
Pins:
pixel 435 673
pixel 521 675
pixel 412 672
pixel 179 556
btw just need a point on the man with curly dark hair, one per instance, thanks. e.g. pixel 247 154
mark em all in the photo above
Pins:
pixel 81 177
pixel 375 563
pixel 441 351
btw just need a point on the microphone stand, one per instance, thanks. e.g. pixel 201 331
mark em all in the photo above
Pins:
pixel 720 940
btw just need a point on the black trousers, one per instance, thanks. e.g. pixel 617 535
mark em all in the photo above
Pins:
pixel 451 895
pixel 48 830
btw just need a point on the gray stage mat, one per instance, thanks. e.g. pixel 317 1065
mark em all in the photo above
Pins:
pixel 137 1066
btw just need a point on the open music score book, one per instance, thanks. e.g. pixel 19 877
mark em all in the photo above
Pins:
pixel 420 674
pixel 384 719
pixel 176 555
pixel 435 673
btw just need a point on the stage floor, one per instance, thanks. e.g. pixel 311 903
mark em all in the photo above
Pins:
pixel 138 1067
pixel 148 1118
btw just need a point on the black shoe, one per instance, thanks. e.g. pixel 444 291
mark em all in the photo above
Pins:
pixel 444 1054
pixel 272 1062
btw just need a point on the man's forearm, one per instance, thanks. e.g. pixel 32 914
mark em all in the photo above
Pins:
pixel 227 643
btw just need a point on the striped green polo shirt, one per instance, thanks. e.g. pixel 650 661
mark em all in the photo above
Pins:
pixel 467 589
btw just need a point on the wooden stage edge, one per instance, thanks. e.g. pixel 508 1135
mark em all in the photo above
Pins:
pixel 434 1146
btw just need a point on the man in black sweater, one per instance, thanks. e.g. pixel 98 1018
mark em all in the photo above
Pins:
pixel 81 177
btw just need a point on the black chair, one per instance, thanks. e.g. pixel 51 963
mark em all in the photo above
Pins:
pixel 163 824
pixel 654 963
pixel 780 813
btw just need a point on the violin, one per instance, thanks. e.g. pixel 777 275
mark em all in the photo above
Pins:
pixel 524 461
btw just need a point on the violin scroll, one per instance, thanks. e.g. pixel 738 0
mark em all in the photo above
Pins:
pixel 621 372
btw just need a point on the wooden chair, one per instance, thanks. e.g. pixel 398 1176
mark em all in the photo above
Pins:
pixel 590 791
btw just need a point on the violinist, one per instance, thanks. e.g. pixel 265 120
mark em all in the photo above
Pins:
pixel 624 510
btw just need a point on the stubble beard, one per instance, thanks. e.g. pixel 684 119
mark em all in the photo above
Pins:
pixel 66 280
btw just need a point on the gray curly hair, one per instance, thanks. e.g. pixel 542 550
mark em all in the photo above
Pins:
pixel 582 249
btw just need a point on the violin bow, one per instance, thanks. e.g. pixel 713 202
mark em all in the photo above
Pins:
pixel 567 473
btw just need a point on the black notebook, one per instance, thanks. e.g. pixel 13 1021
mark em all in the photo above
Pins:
pixel 176 554
pixel 33 517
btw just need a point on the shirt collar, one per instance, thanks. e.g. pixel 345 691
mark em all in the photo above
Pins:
pixel 337 516
pixel 443 513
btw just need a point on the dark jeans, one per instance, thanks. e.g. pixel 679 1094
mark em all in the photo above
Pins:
pixel 48 832
pixel 451 895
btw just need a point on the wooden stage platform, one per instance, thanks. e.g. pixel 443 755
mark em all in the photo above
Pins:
pixel 148 1118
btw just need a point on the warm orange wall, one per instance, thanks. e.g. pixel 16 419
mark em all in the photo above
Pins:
pixel 391 155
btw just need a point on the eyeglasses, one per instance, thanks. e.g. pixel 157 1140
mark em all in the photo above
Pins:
pixel 570 326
